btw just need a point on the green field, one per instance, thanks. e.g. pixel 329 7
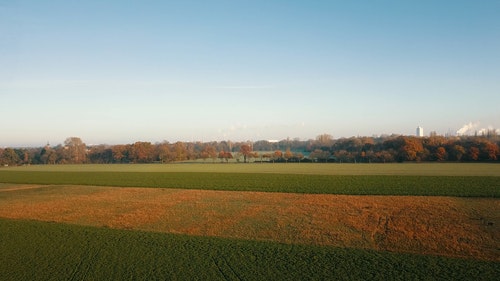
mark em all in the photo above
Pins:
pixel 52 251
pixel 49 251
pixel 377 179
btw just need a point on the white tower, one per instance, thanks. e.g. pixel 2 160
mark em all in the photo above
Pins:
pixel 420 131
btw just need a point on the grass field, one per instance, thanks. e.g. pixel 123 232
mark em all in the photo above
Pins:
pixel 390 169
pixel 377 179
pixel 67 252
pixel 212 222
pixel 450 226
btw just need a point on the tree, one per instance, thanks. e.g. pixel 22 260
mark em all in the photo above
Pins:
pixel 342 156
pixel 75 150
pixel 142 152
pixel 412 149
pixel 48 155
pixel 441 154
pixel 457 152
pixel 266 156
pixel 225 155
pixel 490 150
pixel 180 151
pixel 288 154
pixel 324 141
pixel 120 153
pixel 385 156
pixel 278 154
pixel 320 155
pixel 474 153
pixel 100 154
pixel 164 153
pixel 204 155
pixel 246 151
pixel 9 157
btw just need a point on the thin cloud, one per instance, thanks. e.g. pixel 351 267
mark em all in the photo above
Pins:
pixel 245 87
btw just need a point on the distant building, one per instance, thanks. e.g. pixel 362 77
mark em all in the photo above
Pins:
pixel 420 131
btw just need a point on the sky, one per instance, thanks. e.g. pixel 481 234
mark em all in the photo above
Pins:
pixel 117 72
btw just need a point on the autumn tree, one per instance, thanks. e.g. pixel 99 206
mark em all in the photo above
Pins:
pixel 9 157
pixel 225 155
pixel 204 155
pixel 208 152
pixel 163 152
pixel 441 154
pixel 435 141
pixel 320 155
pixel 288 154
pixel 370 149
pixel 120 153
pixel 266 156
pixel 142 152
pixel 457 152
pixel 75 151
pixel 180 151
pixel 190 151
pixel 100 154
pixel 278 154
pixel 48 155
pixel 474 153
pixel 411 149
pixel 490 150
pixel 385 156
pixel 246 151
pixel 342 155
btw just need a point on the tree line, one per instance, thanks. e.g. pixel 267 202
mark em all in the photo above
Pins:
pixel 324 148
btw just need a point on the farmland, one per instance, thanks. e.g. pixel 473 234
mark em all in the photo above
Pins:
pixel 250 222
pixel 49 251
pixel 390 169
pixel 469 180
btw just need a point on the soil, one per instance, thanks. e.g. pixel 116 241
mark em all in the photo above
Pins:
pixel 447 226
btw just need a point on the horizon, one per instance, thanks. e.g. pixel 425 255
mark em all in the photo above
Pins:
pixel 116 73
pixel 466 134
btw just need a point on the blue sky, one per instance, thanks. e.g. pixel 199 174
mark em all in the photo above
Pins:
pixel 123 71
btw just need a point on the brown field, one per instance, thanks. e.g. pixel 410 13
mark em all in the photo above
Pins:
pixel 448 226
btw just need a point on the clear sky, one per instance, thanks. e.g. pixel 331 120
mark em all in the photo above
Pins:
pixel 117 72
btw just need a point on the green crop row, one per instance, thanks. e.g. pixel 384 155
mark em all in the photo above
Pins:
pixel 459 186
pixel 49 251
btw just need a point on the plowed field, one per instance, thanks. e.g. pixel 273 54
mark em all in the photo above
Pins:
pixel 447 226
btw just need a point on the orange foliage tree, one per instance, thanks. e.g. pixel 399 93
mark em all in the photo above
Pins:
pixel 412 148
pixel 246 151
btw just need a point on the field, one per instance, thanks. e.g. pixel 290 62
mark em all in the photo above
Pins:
pixel 390 169
pixel 467 180
pixel 250 222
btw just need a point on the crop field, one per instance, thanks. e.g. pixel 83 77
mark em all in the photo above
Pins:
pixel 389 169
pixel 48 251
pixel 250 222
pixel 377 179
